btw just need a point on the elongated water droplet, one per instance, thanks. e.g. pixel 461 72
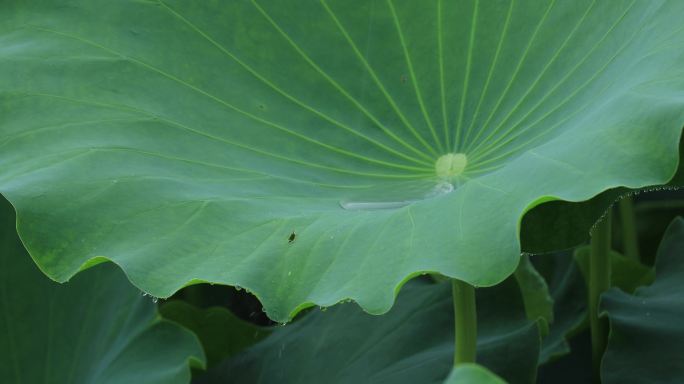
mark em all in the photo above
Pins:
pixel 439 189
pixel 372 205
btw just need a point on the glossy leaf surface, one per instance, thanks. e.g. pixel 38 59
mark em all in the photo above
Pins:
pixel 291 147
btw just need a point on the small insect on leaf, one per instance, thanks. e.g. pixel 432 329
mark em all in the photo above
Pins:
pixel 292 237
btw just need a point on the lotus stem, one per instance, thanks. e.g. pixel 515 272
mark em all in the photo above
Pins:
pixel 465 317
pixel 599 282
pixel 630 245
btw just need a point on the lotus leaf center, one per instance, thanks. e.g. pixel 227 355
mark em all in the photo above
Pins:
pixel 450 165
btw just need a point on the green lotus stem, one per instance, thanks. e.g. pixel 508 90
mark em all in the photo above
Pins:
pixel 465 319
pixel 599 282
pixel 630 243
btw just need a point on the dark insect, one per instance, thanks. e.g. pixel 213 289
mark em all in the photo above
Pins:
pixel 403 79
pixel 292 237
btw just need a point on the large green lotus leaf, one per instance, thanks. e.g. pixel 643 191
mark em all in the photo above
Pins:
pixel 95 329
pixel 646 332
pixel 291 147
pixel 413 343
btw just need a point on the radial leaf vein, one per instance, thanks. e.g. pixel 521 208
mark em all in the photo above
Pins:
pixel 442 85
pixel 518 66
pixel 490 71
pixel 466 75
pixel 232 107
pixel 534 84
pixel 282 92
pixel 375 78
pixel 497 144
pixel 239 145
pixel 412 74
pixel 336 85
pixel 47 128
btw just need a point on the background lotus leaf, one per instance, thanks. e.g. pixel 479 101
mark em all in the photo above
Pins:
pixel 95 329
pixel 413 343
pixel 646 332
pixel 221 332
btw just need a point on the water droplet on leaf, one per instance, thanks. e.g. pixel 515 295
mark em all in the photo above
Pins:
pixel 438 189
